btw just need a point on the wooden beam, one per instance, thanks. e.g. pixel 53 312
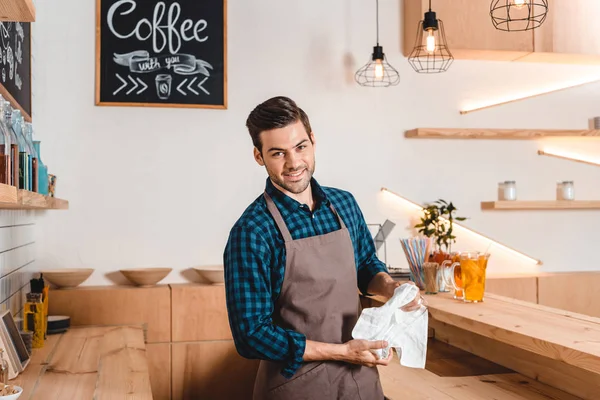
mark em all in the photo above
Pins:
pixel 562 157
pixel 509 134
pixel 542 205
pixel 501 103
pixel 17 10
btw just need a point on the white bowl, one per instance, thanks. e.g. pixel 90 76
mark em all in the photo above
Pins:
pixel 13 396
pixel 213 274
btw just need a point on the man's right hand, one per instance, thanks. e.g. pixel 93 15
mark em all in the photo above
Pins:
pixel 358 351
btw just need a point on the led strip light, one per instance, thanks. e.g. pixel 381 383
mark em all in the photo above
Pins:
pixel 503 246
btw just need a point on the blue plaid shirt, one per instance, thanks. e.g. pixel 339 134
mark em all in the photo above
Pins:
pixel 254 262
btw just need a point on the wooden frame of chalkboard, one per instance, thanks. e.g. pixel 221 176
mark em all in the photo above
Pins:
pixel 169 53
pixel 11 60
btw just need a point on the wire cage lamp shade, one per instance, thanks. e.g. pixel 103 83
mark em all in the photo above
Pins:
pixel 518 15
pixel 377 72
pixel 430 54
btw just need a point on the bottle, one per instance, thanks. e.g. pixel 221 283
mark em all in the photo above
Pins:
pixel 23 155
pixel 3 368
pixel 33 182
pixel 6 122
pixel 33 319
pixel 5 165
pixel 42 170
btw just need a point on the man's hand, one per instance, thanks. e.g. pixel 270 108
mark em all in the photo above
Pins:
pixel 358 351
pixel 384 285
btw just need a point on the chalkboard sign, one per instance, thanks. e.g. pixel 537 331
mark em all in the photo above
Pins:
pixel 15 65
pixel 161 53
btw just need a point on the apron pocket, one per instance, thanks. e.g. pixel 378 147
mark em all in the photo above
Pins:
pixel 310 385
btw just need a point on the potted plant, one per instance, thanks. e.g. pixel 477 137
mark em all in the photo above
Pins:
pixel 437 222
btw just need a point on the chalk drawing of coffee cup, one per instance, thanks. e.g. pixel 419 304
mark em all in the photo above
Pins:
pixel 163 86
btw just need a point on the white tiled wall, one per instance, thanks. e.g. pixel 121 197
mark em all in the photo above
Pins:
pixel 17 258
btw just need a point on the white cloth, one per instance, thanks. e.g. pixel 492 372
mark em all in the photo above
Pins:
pixel 405 331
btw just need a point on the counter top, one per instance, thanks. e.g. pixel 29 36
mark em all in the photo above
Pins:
pixel 88 363
pixel 454 374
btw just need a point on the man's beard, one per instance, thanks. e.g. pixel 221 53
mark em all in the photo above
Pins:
pixel 294 187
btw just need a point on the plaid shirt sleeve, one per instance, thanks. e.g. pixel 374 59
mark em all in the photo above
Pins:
pixel 250 306
pixel 368 264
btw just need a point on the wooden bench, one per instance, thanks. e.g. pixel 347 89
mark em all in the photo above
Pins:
pixel 97 363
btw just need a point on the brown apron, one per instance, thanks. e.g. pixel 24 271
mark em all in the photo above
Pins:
pixel 319 298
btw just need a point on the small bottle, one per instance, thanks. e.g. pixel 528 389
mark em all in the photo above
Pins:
pixel 3 368
pixel 33 319
pixel 507 191
pixel 565 190
pixel 28 132
pixel 6 123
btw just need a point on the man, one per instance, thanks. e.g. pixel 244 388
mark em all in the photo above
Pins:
pixel 294 263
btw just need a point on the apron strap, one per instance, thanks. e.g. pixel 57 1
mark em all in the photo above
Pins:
pixel 342 225
pixel 281 224
pixel 278 218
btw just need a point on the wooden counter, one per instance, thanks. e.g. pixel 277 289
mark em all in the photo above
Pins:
pixel 451 373
pixel 97 363
pixel 556 347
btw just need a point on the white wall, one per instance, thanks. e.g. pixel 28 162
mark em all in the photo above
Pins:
pixel 162 187
pixel 17 259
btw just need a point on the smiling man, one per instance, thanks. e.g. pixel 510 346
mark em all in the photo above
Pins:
pixel 294 263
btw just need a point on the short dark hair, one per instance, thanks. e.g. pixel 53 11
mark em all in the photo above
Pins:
pixel 277 112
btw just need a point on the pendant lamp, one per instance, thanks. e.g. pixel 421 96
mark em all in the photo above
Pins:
pixel 518 15
pixel 431 54
pixel 377 72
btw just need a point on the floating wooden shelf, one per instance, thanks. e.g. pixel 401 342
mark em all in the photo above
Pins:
pixel 513 134
pixel 542 205
pixel 17 10
pixel 17 199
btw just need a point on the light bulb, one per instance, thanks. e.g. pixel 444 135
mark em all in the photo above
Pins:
pixel 431 42
pixel 519 3
pixel 378 69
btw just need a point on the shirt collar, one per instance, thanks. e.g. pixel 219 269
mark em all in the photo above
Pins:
pixel 291 205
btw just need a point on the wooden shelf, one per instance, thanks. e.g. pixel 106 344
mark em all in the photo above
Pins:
pixel 542 205
pixel 17 199
pixel 17 10
pixel 512 134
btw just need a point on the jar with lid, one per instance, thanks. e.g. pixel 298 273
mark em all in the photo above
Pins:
pixel 507 191
pixel 565 190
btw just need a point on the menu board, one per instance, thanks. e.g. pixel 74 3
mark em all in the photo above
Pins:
pixel 161 53
pixel 15 65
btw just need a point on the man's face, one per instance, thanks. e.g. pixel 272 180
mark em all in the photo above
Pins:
pixel 288 156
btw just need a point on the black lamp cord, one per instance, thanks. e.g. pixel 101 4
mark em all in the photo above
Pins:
pixel 377 21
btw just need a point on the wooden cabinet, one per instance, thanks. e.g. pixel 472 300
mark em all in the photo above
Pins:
pixel 567 36
pixel 211 370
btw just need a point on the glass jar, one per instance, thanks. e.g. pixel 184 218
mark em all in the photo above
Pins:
pixel 565 190
pixel 6 120
pixel 507 191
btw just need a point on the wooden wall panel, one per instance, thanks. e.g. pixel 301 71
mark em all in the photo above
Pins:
pixel 211 370
pixel 159 367
pixel 199 313
pixel 520 288
pixel 573 291
pixel 117 305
